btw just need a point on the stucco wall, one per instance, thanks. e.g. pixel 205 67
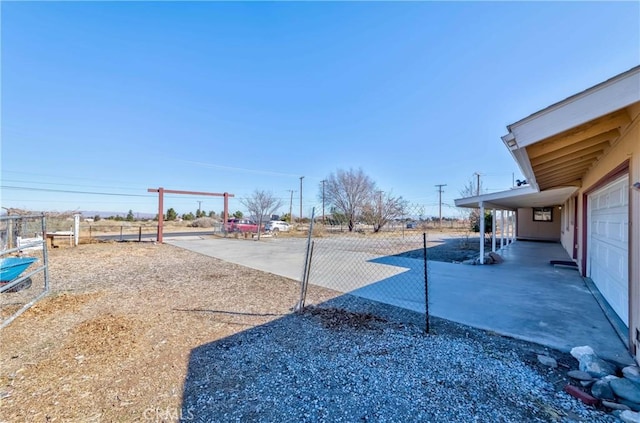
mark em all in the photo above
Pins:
pixel 568 225
pixel 543 231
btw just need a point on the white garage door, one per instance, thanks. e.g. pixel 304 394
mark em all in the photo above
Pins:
pixel 608 244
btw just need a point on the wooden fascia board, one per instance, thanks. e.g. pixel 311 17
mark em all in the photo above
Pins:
pixel 600 100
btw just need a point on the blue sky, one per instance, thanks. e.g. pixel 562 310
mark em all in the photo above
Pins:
pixel 102 100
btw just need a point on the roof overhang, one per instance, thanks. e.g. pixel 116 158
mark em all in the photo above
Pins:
pixel 556 146
pixel 518 197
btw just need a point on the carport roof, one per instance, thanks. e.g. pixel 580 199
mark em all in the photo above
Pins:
pixel 518 197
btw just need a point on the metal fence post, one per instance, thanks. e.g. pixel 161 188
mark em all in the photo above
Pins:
pixel 307 263
pixel 426 282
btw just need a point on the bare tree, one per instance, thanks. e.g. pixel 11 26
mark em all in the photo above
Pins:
pixel 260 204
pixel 471 189
pixel 383 208
pixel 349 192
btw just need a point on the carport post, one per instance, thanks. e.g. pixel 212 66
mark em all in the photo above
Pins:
pixel 481 232
pixel 511 226
pixel 493 230
pixel 506 238
pixel 501 229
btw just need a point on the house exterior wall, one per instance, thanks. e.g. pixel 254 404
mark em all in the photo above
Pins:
pixel 539 231
pixel 568 226
pixel 626 150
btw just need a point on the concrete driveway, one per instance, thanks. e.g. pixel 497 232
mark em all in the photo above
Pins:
pixel 524 297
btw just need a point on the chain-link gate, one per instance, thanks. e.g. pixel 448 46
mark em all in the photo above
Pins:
pixel 24 275
pixel 384 266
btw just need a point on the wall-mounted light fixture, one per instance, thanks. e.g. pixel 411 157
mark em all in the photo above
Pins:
pixel 637 186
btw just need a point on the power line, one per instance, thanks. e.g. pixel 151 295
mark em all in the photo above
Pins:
pixel 56 183
pixel 72 192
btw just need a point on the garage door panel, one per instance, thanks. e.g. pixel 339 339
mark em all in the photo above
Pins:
pixel 608 244
pixel 615 197
pixel 612 233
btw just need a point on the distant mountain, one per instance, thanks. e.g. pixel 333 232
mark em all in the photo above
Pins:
pixel 104 214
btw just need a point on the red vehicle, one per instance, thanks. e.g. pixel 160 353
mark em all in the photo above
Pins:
pixel 241 225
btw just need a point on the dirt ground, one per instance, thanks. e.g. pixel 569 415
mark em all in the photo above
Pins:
pixel 112 340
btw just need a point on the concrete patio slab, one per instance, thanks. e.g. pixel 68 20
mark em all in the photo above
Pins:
pixel 525 297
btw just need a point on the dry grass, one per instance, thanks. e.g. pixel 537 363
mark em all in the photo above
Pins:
pixel 112 340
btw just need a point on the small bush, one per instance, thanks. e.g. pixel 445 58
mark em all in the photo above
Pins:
pixel 203 222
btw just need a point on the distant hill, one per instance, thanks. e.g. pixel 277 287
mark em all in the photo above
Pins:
pixel 104 214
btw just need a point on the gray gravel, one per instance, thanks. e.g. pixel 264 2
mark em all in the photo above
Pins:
pixel 342 363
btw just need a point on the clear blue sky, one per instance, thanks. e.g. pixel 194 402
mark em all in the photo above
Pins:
pixel 115 98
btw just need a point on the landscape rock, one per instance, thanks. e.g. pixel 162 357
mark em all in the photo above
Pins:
pixel 632 405
pixel 497 258
pixel 630 416
pixel 626 389
pixel 579 375
pixel 589 362
pixel 601 389
pixel 547 361
pixel 615 406
pixel 579 352
pixel 632 373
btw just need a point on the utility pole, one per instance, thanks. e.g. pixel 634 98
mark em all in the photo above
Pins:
pixel 323 181
pixel 301 178
pixel 199 204
pixel 291 207
pixel 477 183
pixel 440 191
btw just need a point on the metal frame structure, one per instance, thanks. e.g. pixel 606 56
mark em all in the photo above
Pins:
pixel 161 191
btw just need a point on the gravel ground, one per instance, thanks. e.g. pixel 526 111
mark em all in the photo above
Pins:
pixel 145 332
pixel 333 365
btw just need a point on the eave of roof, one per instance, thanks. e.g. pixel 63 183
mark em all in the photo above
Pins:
pixel 557 145
pixel 516 198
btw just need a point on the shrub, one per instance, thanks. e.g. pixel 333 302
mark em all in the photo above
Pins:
pixel 203 222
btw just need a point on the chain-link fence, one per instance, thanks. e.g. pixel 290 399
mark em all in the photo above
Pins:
pixel 23 264
pixel 383 264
